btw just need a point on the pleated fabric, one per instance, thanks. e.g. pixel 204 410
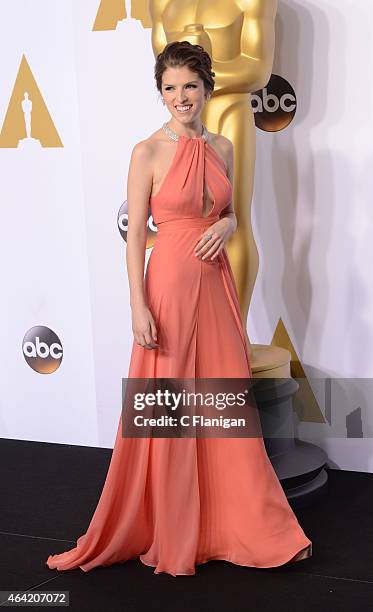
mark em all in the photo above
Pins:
pixel 175 503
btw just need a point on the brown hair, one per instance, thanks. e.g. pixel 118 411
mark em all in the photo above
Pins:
pixel 183 53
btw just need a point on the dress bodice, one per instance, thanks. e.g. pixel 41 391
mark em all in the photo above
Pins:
pixel 195 168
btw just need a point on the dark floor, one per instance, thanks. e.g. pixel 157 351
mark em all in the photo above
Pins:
pixel 38 518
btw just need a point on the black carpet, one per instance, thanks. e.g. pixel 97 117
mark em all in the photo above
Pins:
pixel 49 493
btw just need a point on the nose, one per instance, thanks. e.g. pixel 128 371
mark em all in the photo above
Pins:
pixel 181 97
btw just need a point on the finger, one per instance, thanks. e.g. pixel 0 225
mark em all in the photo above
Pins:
pixel 140 339
pixel 145 344
pixel 205 247
pixel 202 242
pixel 202 238
pixel 214 256
pixel 151 344
pixel 148 339
pixel 153 331
pixel 212 250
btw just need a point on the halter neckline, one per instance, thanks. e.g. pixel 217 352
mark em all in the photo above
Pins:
pixel 174 136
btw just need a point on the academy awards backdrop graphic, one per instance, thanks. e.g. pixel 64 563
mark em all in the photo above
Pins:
pixel 77 92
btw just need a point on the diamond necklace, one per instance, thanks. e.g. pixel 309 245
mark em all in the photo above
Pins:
pixel 170 132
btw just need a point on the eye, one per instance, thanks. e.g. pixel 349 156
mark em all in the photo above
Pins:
pixel 189 85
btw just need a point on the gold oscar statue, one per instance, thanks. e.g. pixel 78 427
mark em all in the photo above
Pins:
pixel 240 39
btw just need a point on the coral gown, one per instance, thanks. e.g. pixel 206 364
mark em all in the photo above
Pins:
pixel 175 503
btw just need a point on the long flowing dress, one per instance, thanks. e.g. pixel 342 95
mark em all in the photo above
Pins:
pixel 174 502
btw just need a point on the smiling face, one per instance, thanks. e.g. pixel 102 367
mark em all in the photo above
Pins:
pixel 184 94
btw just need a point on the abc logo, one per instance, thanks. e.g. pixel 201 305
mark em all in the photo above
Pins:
pixel 122 221
pixel 42 349
pixel 275 105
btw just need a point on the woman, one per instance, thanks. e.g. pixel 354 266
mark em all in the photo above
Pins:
pixel 178 502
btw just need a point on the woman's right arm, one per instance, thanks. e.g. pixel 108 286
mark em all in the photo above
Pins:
pixel 139 185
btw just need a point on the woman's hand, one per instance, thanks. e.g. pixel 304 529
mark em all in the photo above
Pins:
pixel 144 328
pixel 214 238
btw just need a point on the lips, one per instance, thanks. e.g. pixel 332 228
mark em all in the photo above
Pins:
pixel 182 106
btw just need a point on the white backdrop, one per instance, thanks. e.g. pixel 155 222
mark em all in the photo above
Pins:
pixel 63 258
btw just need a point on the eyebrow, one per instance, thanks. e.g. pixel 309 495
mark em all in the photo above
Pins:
pixel 167 84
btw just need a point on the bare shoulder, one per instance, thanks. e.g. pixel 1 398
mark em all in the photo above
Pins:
pixel 223 146
pixel 222 142
pixel 148 148
pixel 141 156
pixel 144 152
